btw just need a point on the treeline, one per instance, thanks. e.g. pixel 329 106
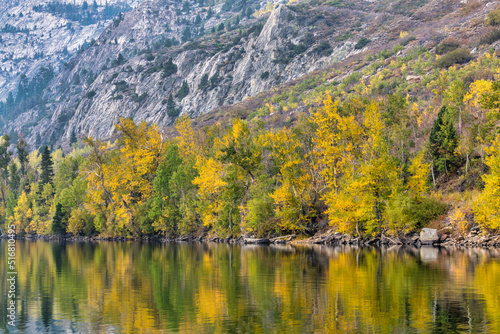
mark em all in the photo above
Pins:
pixel 84 14
pixel 355 164
pixel 29 94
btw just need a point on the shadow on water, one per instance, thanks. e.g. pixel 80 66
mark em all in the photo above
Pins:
pixel 182 287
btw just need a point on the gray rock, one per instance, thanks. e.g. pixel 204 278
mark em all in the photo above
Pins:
pixel 428 236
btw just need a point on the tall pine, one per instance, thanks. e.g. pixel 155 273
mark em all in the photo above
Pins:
pixel 72 138
pixel 47 167
pixel 443 142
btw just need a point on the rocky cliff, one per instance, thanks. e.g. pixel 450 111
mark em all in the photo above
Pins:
pixel 38 33
pixel 164 59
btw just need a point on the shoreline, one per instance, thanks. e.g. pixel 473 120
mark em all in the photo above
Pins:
pixel 327 239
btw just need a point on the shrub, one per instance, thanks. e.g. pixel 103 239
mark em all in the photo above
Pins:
pixel 324 49
pixel 81 223
pixel 169 68
pixel 264 75
pixel 90 94
pixel 362 43
pixel 407 40
pixel 139 98
pixel 490 37
pixel 446 46
pixel 424 210
pixel 493 18
pixel 458 56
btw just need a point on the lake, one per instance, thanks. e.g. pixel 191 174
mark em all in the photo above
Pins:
pixel 130 287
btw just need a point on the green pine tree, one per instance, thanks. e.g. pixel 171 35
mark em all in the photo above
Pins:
pixel 57 220
pixel 204 83
pixel 73 139
pixel 171 110
pixel 443 142
pixel 47 167
pixel 183 91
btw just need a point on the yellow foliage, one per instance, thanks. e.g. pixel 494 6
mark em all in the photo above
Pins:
pixel 419 171
pixel 120 182
pixel 487 206
pixel 458 220
pixel 476 90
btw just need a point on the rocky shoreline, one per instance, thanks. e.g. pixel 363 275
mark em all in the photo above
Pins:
pixel 427 237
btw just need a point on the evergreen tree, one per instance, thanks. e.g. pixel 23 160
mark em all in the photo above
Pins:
pixel 204 84
pixel 22 154
pixel 5 158
pixel 57 221
pixel 186 34
pixel 15 179
pixel 443 142
pixel 47 167
pixel 183 91
pixel 171 110
pixel 73 139
pixel 169 68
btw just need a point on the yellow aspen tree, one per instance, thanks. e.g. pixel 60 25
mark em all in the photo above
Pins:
pixel 419 171
pixel 292 197
pixel 336 144
pixel 487 207
pixel 22 214
pixel 210 183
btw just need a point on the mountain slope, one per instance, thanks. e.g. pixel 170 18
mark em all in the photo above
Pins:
pixel 228 56
pixel 41 33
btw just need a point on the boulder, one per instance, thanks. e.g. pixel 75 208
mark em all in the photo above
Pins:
pixel 428 236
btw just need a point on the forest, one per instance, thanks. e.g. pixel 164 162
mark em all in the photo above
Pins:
pixel 366 160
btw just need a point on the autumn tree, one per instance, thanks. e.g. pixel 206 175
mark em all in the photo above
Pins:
pixel 487 206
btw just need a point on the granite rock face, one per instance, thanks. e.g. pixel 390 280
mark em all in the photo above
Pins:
pixel 224 58
pixel 32 36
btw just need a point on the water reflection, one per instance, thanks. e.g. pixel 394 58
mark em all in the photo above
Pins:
pixel 135 287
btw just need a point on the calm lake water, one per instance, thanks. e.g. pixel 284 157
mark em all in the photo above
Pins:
pixel 133 287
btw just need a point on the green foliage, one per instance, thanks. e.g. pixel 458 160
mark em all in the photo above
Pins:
pixel 323 50
pixel 444 142
pixel 183 91
pixel 169 68
pixel 407 214
pixel 362 43
pixel 47 167
pixel 57 220
pixel 120 59
pixel 405 41
pixel 204 83
pixel 493 18
pixel 446 46
pixel 72 138
pixel 458 56
pixel 490 37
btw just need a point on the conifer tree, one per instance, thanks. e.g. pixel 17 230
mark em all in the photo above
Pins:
pixel 47 167
pixel 171 110
pixel 22 154
pixel 183 91
pixel 73 139
pixel 5 157
pixel 443 141
pixel 57 221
